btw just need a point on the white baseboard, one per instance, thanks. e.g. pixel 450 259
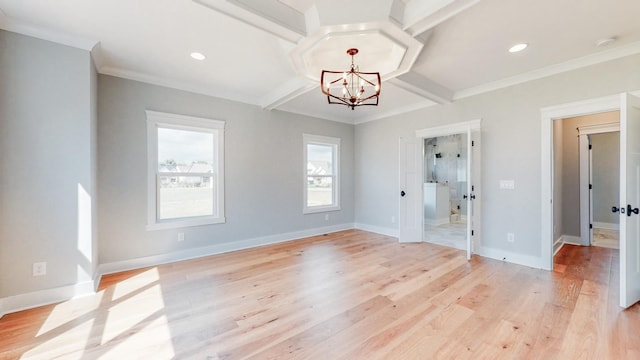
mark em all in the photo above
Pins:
pixel 557 245
pixel 570 239
pixel 377 229
pixel 34 299
pixel 608 226
pixel 515 258
pixel 130 264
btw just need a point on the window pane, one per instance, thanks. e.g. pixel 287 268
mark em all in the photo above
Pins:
pixel 319 190
pixel 181 150
pixel 185 196
pixel 319 159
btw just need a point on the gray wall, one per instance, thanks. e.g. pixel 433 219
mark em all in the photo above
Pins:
pixel 46 170
pixel 571 167
pixel 510 149
pixel 263 170
pixel 605 158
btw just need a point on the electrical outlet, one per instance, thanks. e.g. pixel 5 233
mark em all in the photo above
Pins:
pixel 181 236
pixel 39 268
pixel 326 217
pixel 511 237
pixel 393 219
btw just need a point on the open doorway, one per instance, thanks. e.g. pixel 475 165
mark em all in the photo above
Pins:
pixel 629 254
pixel 586 180
pixel 444 194
pixel 604 155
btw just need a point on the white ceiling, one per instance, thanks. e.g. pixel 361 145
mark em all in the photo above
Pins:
pixel 267 52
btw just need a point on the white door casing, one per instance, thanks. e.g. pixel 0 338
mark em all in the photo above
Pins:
pixel 472 129
pixel 629 106
pixel 629 200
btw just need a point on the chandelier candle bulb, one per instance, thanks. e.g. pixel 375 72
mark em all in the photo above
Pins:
pixel 358 88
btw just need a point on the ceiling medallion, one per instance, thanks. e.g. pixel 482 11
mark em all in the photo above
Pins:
pixel 354 88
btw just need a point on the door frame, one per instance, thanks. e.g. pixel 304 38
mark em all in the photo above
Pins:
pixel 548 116
pixel 586 168
pixel 468 127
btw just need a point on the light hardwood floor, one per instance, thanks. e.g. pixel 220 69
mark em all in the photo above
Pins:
pixel 348 295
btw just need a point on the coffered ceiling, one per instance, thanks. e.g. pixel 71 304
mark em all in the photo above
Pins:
pixel 270 52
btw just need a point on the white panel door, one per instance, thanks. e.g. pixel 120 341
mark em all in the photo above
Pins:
pixel 410 193
pixel 629 200
pixel 474 230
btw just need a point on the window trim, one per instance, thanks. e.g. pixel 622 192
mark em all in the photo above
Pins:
pixel 335 144
pixel 157 120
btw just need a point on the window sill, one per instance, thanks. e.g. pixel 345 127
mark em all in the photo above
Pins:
pixel 320 209
pixel 173 224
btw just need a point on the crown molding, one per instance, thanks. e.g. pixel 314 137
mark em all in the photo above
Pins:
pixel 178 85
pixel 10 24
pixel 593 59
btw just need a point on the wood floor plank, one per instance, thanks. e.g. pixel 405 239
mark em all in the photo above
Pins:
pixel 347 295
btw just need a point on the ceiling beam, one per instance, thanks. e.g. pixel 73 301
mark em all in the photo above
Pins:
pixel 269 16
pixel 287 92
pixel 422 15
pixel 421 86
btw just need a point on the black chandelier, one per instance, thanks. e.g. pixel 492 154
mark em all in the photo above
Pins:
pixel 353 88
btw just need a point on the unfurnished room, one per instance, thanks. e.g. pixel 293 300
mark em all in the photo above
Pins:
pixel 304 179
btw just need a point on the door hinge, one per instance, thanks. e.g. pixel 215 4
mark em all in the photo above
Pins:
pixel 473 143
pixel 590 226
pixel 590 146
pixel 473 188
pixel 590 186
pixel 471 232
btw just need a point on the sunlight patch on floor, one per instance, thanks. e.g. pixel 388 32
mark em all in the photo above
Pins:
pixel 63 342
pixel 135 283
pixel 69 311
pixel 127 314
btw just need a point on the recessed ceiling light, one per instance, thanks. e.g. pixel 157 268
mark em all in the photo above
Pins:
pixel 518 47
pixel 198 56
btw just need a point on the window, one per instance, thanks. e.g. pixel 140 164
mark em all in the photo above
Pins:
pixel 321 177
pixel 185 171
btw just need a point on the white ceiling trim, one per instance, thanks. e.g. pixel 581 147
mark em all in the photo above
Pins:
pixel 421 86
pixel 431 14
pixel 178 85
pixel 604 56
pixel 10 24
pixel 288 91
pixel 398 111
pixel 255 19
pixel 319 116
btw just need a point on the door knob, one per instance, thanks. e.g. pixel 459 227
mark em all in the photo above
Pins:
pixel 402 193
pixel 472 196
pixel 614 209
pixel 631 210
pixel 464 196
